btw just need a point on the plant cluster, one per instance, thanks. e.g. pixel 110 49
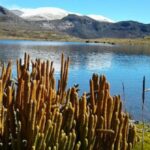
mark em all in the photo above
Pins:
pixel 35 115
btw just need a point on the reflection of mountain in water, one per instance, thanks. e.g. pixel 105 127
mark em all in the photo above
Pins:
pixel 81 55
pixel 89 56
pixel 99 61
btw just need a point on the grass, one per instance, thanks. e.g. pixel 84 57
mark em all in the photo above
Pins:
pixel 35 34
pixel 126 41
pixel 146 137
pixel 50 36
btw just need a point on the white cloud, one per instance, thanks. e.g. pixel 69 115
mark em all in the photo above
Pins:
pixel 100 18
pixel 51 13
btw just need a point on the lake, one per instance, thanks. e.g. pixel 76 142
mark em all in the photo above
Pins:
pixel 120 64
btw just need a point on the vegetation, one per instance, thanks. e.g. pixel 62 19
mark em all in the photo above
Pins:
pixel 14 27
pixel 124 41
pixel 34 114
pixel 50 36
pixel 16 32
pixel 146 136
pixel 26 34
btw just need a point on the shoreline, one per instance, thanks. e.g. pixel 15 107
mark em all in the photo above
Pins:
pixel 122 41
pixel 112 41
pixel 52 38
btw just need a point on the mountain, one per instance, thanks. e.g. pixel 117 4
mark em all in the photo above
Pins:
pixel 14 26
pixel 6 15
pixel 55 22
pixel 43 14
pixel 78 26
pixel 51 13
pixel 101 18
pixel 10 21
pixel 17 12
pixel 129 29
pixel 85 27
pixel 11 24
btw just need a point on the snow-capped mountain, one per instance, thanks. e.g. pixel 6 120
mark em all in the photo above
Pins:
pixel 100 18
pixel 62 23
pixel 44 13
pixel 51 13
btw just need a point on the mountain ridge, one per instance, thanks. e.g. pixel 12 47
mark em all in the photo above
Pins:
pixel 85 27
pixel 74 25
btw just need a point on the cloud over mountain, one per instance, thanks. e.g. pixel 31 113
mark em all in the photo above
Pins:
pixel 52 13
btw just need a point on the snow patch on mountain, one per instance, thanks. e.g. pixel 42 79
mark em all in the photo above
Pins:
pixel 52 13
pixel 100 18
pixel 45 13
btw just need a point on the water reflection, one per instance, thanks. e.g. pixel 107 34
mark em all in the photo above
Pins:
pixel 125 64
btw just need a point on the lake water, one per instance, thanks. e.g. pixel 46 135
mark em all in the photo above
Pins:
pixel 120 64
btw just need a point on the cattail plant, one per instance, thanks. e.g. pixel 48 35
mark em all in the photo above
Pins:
pixel 35 115
pixel 124 96
pixel 143 100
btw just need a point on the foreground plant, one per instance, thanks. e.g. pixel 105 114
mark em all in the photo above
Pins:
pixel 35 115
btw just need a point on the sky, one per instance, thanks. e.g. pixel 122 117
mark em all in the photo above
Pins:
pixel 117 10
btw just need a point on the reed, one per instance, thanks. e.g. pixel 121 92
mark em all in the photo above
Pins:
pixel 143 101
pixel 35 115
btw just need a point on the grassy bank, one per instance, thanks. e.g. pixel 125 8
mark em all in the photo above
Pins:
pixel 51 36
pixel 146 137
pixel 35 35
pixel 136 41
pixel 55 37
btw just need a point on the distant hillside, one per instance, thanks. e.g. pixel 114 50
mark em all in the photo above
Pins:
pixel 72 25
pixel 10 21
pixel 85 27
pixel 6 15
pixel 12 25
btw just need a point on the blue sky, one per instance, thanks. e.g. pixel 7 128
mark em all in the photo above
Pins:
pixel 117 10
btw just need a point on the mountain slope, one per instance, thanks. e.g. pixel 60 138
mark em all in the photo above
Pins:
pixel 6 15
pixel 17 12
pixel 81 26
pixel 85 27
pixel 11 23
pixel 101 18
pixel 10 20
pixel 129 29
